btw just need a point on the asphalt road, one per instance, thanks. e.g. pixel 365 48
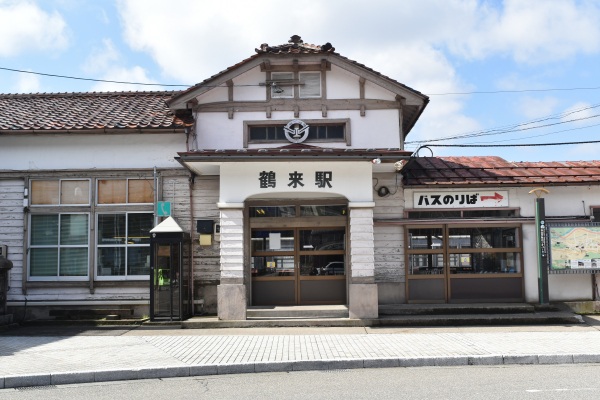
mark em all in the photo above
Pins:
pixel 531 382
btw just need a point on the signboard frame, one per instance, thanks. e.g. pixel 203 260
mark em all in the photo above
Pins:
pixel 582 239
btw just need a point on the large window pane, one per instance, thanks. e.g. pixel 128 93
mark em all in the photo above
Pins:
pixel 324 211
pixel 274 211
pixel 273 266
pixel 486 263
pixel 112 191
pixel 280 90
pixel 73 261
pixel 74 229
pixel 138 260
pixel 426 238
pixel 272 240
pixel 483 238
pixel 75 192
pixel 322 239
pixel 425 264
pixel 310 84
pixel 44 192
pixel 331 264
pixel 111 261
pixel 138 228
pixel 111 229
pixel 44 230
pixel 43 262
pixel 141 191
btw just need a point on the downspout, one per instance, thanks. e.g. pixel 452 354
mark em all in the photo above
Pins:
pixel 191 247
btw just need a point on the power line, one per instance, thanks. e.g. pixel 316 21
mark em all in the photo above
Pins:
pixel 514 91
pixel 88 79
pixel 185 85
pixel 509 145
pixel 515 127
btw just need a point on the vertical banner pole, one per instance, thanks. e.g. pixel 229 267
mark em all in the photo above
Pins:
pixel 542 245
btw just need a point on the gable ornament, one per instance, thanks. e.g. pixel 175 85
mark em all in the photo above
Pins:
pixel 296 131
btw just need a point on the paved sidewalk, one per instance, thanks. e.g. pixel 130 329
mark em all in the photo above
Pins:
pixel 124 354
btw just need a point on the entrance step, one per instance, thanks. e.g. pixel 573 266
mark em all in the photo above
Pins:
pixel 297 312
pixel 400 315
pixel 446 309
pixel 474 314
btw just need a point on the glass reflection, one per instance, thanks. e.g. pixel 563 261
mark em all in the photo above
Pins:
pixel 273 266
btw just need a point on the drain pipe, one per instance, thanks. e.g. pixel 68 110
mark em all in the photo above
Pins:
pixel 191 247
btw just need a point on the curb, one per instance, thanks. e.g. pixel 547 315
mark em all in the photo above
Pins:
pixel 63 378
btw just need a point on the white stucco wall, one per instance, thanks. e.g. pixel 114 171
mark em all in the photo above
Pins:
pixel 240 181
pixel 378 129
pixel 74 151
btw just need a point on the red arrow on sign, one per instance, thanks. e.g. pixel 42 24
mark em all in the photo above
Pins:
pixel 496 196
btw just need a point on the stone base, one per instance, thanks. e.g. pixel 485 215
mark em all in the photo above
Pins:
pixel 391 293
pixel 363 301
pixel 231 302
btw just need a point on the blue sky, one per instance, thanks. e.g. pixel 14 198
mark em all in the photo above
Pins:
pixel 517 51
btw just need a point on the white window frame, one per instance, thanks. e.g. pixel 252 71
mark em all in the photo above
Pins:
pixel 97 246
pixel 60 181
pixel 303 86
pixel 58 246
pixel 127 203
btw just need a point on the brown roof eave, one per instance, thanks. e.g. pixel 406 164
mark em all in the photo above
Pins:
pixel 107 131
pixel 496 184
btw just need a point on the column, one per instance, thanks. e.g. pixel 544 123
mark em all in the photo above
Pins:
pixel 231 292
pixel 363 299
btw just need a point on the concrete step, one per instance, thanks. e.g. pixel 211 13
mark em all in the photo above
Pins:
pixel 298 312
pixel 487 319
pixel 535 318
pixel 214 323
pixel 448 309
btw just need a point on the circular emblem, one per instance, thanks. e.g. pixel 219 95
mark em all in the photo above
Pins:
pixel 296 131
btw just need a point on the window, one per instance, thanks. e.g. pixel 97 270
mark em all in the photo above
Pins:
pixel 279 87
pixel 125 191
pixel 465 250
pixel 60 234
pixel 60 192
pixel 283 85
pixel 59 246
pixel 310 84
pixel 595 213
pixel 318 131
pixel 123 245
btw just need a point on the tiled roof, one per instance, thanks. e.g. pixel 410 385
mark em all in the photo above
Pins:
pixel 492 171
pixel 297 46
pixel 88 111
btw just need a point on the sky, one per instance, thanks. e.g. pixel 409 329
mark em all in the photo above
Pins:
pixel 498 73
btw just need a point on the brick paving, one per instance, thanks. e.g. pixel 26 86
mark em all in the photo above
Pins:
pixel 42 360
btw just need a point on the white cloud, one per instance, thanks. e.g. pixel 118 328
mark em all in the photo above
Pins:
pixel 122 74
pixel 24 27
pixel 27 83
pixel 582 112
pixel 105 63
pixel 534 32
pixel 537 107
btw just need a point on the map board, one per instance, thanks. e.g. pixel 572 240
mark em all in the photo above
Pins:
pixel 574 248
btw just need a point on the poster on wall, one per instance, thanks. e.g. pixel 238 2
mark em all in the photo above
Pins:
pixel 575 248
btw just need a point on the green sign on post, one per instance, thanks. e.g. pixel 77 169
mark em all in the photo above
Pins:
pixel 163 209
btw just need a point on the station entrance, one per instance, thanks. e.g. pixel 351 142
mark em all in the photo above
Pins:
pixel 298 254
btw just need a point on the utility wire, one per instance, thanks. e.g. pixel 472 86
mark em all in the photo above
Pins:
pixel 184 85
pixel 509 145
pixel 514 127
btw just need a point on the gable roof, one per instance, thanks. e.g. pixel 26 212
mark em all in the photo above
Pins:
pixel 495 171
pixel 81 112
pixel 297 47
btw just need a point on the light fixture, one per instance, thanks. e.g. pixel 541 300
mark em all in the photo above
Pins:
pixel 376 161
pixel 276 89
